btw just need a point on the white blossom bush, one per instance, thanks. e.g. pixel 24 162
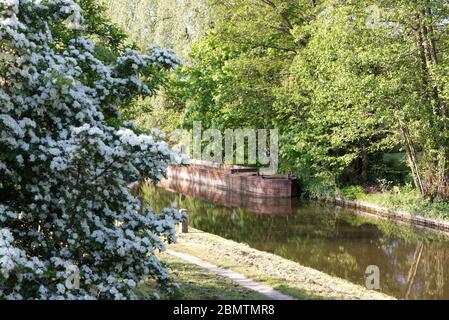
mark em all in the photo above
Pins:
pixel 66 161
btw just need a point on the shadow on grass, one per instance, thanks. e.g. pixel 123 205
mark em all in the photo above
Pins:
pixel 198 284
pixel 297 293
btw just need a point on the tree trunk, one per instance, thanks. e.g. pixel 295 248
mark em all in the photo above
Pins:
pixel 432 53
pixel 413 160
pixel 364 169
pixel 423 58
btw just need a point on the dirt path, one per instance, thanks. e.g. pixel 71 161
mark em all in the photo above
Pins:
pixel 234 276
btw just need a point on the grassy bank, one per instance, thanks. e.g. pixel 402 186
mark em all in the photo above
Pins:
pixel 196 283
pixel 283 275
pixel 403 199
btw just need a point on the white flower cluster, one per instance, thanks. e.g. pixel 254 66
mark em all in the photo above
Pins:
pixel 64 171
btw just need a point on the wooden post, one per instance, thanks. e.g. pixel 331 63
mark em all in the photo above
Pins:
pixel 184 228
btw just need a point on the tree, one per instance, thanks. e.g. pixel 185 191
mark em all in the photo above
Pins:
pixel 338 97
pixel 344 82
pixel 238 66
pixel 67 158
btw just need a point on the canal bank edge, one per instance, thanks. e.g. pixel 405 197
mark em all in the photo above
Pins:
pixel 286 276
pixel 382 212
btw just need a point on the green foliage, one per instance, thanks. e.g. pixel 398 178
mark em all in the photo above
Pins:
pixel 239 65
pixel 97 23
pixel 344 82
pixel 107 35
pixel 407 199
pixel 174 24
pixel 392 166
pixel 352 192
pixel 170 23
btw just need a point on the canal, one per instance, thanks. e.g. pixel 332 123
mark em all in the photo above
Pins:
pixel 339 242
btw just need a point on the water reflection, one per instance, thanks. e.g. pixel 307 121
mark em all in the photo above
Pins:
pixel 339 242
pixel 278 206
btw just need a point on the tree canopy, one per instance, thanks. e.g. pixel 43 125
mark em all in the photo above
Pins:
pixel 342 81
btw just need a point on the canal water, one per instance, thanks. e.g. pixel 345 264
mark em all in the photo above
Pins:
pixel 413 262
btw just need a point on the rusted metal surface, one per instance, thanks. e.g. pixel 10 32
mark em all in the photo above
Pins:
pixel 248 170
pixel 237 179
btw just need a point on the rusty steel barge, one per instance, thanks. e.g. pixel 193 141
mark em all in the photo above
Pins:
pixel 237 179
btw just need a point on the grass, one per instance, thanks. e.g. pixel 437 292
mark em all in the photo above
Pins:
pixel 196 283
pixel 407 200
pixel 283 275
